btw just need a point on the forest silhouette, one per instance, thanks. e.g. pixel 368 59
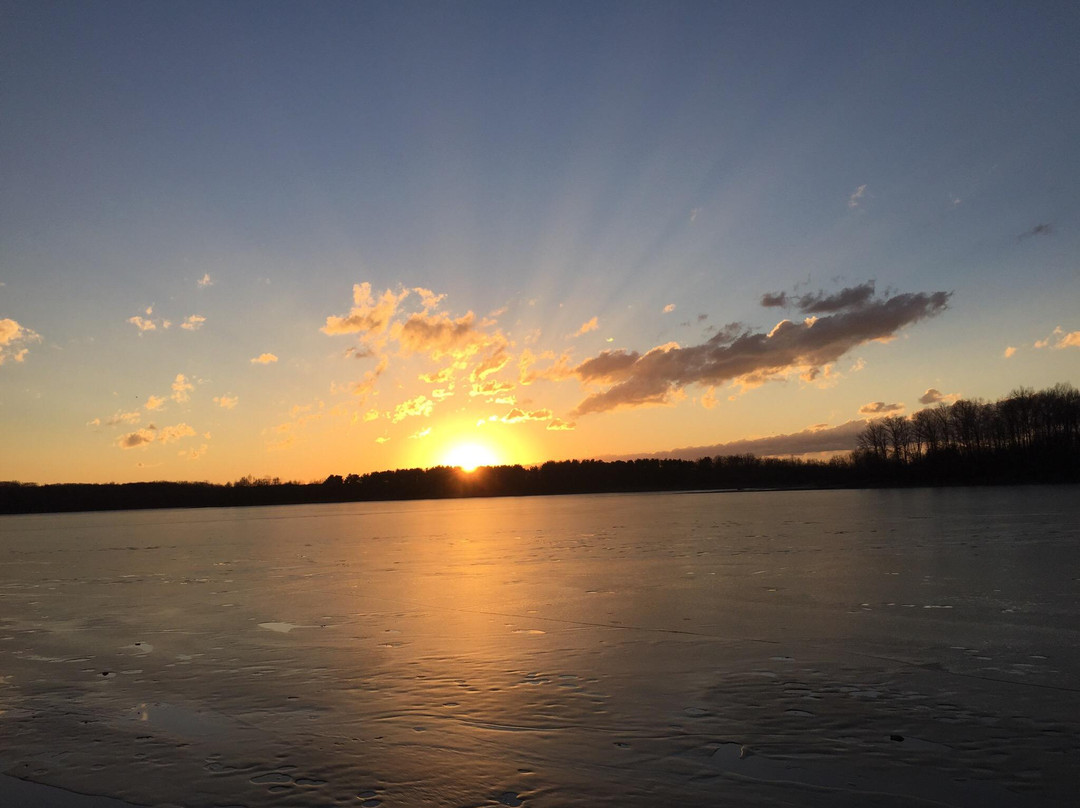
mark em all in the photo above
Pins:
pixel 1027 437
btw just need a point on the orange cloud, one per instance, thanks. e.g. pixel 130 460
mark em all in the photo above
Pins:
pixel 171 434
pixel 13 340
pixel 264 359
pixel 586 327
pixel 419 406
pixel 517 416
pixel 181 388
pixel 1058 339
pixel 368 317
pixel 193 322
pixel 227 402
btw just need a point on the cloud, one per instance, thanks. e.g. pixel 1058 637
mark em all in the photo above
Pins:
pixel 462 344
pixel 1058 339
pixel 154 402
pixel 419 406
pixel 850 298
pixel 193 454
pixel 264 359
pixel 181 388
pixel 879 408
pixel 559 425
pixel 586 327
pixel 856 197
pixel 227 402
pixel 812 440
pixel 119 418
pixel 421 433
pixel 193 322
pixel 141 324
pixel 366 385
pixel 491 388
pixel 820 302
pixel 13 340
pixel 737 354
pixel 670 307
pixel 933 396
pixel 1010 351
pixel 517 416
pixel 368 317
pixel 141 438
pixel 1037 230
pixel 204 281
pixel 145 324
pixel 171 434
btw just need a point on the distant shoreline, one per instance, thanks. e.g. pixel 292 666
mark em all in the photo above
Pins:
pixel 736 474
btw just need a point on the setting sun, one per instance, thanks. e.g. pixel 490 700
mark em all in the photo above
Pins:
pixel 469 456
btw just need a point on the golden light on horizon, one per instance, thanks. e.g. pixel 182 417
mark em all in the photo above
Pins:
pixel 470 456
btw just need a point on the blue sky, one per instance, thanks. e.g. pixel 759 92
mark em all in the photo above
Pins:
pixel 540 165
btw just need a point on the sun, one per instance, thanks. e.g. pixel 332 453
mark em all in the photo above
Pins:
pixel 469 456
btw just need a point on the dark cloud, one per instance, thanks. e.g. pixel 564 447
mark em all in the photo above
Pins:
pixel 933 396
pixel 820 438
pixel 853 297
pixel 1037 230
pixel 879 408
pixel 735 352
pixel 774 299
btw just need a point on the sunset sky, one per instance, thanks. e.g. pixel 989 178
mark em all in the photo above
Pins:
pixel 296 239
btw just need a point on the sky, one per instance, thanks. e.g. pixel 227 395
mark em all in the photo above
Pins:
pixel 301 239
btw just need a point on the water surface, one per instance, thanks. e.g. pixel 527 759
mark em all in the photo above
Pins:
pixel 842 648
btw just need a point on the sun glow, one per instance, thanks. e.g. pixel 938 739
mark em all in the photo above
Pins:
pixel 469 456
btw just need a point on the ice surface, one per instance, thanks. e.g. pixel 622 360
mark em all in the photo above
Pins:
pixel 895 648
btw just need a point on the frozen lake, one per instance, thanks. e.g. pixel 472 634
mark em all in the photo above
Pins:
pixel 839 648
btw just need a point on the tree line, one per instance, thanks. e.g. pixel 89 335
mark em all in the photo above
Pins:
pixel 1025 437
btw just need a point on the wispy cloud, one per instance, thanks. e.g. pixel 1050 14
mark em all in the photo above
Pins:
pixel 586 327
pixel 13 340
pixel 193 454
pixel 1037 230
pixel 812 440
pixel 117 419
pixel 204 281
pixel 193 322
pixel 264 359
pixel 559 425
pixel 856 197
pixel 227 402
pixel 736 353
pixel 517 416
